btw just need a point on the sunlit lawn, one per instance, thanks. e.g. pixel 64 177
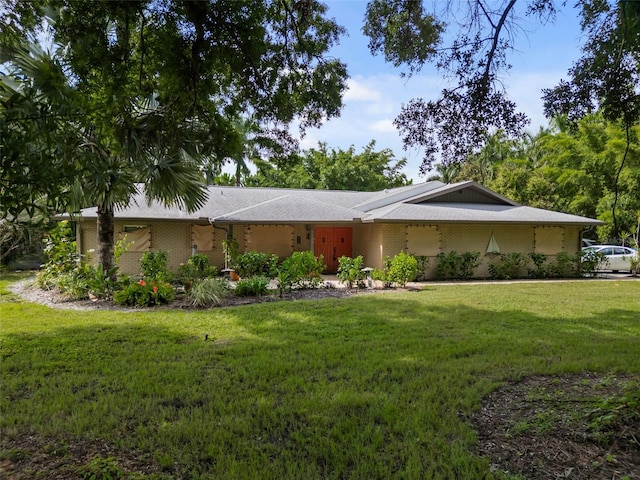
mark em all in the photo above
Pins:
pixel 374 386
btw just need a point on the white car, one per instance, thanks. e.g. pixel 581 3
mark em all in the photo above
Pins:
pixel 617 257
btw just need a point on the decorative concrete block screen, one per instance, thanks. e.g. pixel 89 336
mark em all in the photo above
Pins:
pixel 549 240
pixel 278 239
pixel 202 236
pixel 423 240
pixel 138 239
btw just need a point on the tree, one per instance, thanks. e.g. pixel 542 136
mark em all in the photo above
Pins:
pixel 606 78
pixel 160 83
pixel 458 123
pixel 482 33
pixel 575 171
pixel 331 169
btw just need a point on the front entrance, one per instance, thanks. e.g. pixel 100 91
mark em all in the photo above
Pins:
pixel 332 243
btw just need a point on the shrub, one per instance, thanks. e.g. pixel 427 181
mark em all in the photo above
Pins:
pixel 402 268
pixel 300 270
pixel 196 267
pixel 145 294
pixel 62 255
pixel 448 265
pixel 469 262
pixel 252 287
pixel 423 267
pixel 540 270
pixel 208 292
pixel 350 270
pixel 382 276
pixel 508 266
pixel 591 262
pixel 153 265
pixel 251 264
pixel 566 265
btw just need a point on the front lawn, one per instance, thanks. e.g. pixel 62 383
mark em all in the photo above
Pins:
pixel 375 386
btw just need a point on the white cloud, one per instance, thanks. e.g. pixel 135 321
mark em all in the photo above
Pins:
pixel 384 126
pixel 357 91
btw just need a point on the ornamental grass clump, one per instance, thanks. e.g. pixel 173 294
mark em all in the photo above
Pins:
pixel 208 292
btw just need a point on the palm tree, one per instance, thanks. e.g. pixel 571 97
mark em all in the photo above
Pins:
pixel 147 150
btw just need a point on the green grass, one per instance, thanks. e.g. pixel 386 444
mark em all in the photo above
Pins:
pixel 374 386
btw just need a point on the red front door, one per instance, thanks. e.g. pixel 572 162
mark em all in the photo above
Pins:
pixel 332 243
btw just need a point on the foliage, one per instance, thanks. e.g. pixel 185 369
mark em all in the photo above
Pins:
pixel 573 170
pixel 21 241
pixel 101 468
pixel 145 293
pixel 566 265
pixel 256 286
pixel 250 264
pixel 400 269
pixel 127 116
pixel 70 273
pixel 448 265
pixel 347 378
pixel 196 267
pixel 380 275
pixel 469 262
pixel 300 270
pixel 423 268
pixel 350 270
pixel 454 125
pixel 539 270
pixel 154 265
pixel 208 292
pixel 231 250
pixel 591 262
pixel 508 266
pixel 331 169
pixel 457 266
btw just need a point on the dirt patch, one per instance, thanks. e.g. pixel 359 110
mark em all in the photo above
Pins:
pixel 579 427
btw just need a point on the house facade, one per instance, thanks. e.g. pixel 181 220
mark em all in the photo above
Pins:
pixel 424 219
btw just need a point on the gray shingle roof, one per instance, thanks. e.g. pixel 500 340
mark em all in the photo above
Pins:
pixel 424 202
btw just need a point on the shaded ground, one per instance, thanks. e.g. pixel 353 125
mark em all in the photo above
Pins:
pixel 584 426
pixel 580 427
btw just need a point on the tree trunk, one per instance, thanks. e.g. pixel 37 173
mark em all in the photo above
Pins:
pixel 105 238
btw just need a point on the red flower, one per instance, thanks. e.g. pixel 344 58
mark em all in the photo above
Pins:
pixel 155 289
pixel 143 283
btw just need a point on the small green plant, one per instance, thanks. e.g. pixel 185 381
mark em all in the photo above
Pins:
pixel 62 255
pixel 448 265
pixel 423 268
pixel 566 265
pixel 591 262
pixel 208 292
pixel 252 287
pixel 539 269
pixel 153 265
pixel 250 264
pixel 196 267
pixel 350 270
pixel 101 468
pixel 300 270
pixel 469 262
pixel 380 275
pixel 508 266
pixel 145 294
pixel 402 268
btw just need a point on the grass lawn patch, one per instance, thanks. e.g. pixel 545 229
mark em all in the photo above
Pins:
pixel 374 386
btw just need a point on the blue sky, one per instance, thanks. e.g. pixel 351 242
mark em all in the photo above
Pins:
pixel 376 91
